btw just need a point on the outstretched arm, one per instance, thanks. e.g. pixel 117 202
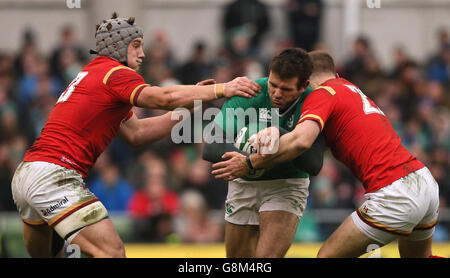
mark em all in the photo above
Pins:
pixel 137 132
pixel 171 97
pixel 140 131
pixel 292 145
pixel 311 161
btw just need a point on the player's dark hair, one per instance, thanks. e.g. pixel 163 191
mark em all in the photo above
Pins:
pixel 322 62
pixel 292 62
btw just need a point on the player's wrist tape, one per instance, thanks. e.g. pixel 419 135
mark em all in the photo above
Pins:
pixel 249 163
pixel 219 90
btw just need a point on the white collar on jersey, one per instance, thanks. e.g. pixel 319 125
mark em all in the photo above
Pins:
pixel 289 108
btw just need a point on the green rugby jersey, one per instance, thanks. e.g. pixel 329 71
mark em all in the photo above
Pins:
pixel 262 103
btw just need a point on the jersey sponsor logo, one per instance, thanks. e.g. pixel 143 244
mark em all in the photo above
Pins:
pixel 297 204
pixel 229 208
pixel 290 121
pixel 65 159
pixel 365 209
pixel 52 208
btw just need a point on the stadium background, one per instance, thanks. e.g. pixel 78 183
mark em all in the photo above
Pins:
pixel 161 197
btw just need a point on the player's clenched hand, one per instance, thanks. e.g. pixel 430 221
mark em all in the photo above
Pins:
pixel 241 86
pixel 267 141
pixel 235 166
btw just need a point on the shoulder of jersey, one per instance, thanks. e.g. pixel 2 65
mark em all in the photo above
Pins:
pixel 264 87
pixel 263 82
pixel 329 89
pixel 334 86
pixel 113 70
pixel 107 66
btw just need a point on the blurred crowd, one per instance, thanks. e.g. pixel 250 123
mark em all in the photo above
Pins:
pixel 166 188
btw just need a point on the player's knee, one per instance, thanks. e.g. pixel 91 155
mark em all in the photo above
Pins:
pixel 120 252
pixel 113 248
pixel 112 251
pixel 117 250
pixel 323 253
pixel 242 252
pixel 268 255
pixel 270 252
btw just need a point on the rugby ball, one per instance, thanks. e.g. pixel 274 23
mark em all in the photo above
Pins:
pixel 241 142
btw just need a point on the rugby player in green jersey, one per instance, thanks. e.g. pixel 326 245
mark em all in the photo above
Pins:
pixel 263 211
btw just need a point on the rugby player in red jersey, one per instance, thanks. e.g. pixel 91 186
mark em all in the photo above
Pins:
pixel 402 197
pixel 48 186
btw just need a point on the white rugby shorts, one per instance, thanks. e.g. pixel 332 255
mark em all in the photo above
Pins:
pixel 46 193
pixel 246 199
pixel 407 208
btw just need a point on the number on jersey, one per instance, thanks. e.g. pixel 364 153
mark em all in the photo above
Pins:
pixel 367 106
pixel 66 94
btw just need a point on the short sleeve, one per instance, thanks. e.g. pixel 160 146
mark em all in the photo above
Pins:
pixel 125 84
pixel 318 106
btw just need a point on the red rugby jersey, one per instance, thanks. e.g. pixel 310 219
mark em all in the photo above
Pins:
pixel 87 115
pixel 359 134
